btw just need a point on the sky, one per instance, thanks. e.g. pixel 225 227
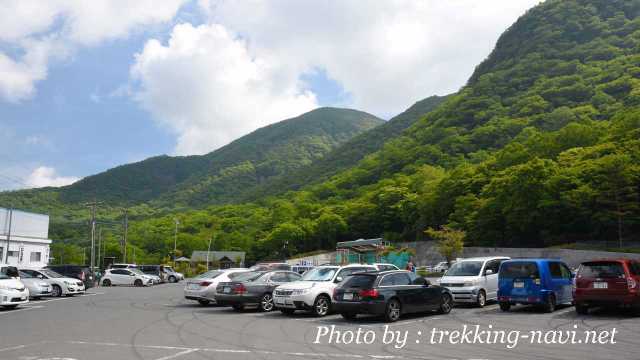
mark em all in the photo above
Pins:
pixel 89 85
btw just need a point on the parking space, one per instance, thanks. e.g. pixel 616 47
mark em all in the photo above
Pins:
pixel 157 324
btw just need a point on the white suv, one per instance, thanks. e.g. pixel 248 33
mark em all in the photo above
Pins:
pixel 122 276
pixel 313 293
pixel 473 280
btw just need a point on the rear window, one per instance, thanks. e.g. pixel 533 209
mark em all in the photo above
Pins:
pixel 519 270
pixel 359 281
pixel 612 269
pixel 245 276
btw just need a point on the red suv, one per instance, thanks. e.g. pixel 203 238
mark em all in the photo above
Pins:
pixel 607 283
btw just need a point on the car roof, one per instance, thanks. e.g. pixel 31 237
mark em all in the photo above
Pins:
pixel 485 258
pixel 536 260
pixel 356 265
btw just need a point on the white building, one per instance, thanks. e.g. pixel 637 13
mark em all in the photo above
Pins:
pixel 24 238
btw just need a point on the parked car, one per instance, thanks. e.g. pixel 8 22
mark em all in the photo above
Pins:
pixel 203 287
pixel 270 266
pixel 12 291
pixel 440 267
pixel 38 288
pixel 313 292
pixel 75 271
pixel 253 288
pixel 129 276
pixel 171 275
pixel 473 280
pixel 123 266
pixel 156 271
pixel 541 282
pixel 385 267
pixel 607 283
pixel 389 293
pixel 60 284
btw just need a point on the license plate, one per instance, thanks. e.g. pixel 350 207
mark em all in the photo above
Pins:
pixel 518 285
pixel 23 298
pixel 226 290
pixel 279 301
pixel 600 285
pixel 347 296
pixel 194 286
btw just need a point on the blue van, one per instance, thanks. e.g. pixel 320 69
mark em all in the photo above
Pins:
pixel 542 282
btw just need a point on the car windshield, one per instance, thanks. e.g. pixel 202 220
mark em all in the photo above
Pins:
pixel 248 276
pixel 519 270
pixel 209 274
pixel 168 269
pixel 610 270
pixel 465 268
pixel 319 274
pixel 51 274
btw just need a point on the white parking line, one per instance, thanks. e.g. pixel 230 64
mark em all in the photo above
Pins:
pixel 22 308
pixel 13 348
pixel 178 354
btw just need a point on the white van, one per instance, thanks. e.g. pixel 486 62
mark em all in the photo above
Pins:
pixel 473 280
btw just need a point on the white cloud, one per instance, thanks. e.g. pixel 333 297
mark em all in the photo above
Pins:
pixel 387 54
pixel 46 30
pixel 208 88
pixel 43 176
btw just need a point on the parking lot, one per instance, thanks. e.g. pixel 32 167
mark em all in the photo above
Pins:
pixel 157 323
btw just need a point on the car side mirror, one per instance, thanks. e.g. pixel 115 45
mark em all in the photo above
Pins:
pixel 132 274
pixel 488 272
pixel 339 279
pixel 421 281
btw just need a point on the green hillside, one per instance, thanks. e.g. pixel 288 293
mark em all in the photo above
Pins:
pixel 347 154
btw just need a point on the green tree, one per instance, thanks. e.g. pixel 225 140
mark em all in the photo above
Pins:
pixel 450 242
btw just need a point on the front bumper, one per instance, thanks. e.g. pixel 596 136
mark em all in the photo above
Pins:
pixel 13 297
pixel 356 307
pixel 74 289
pixel 297 302
pixel 465 294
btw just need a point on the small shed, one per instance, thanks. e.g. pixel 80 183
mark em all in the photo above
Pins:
pixel 359 251
pixel 224 259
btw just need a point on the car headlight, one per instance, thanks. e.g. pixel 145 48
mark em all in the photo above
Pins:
pixel 468 283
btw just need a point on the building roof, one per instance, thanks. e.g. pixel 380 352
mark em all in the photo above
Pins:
pixel 201 256
pixel 182 259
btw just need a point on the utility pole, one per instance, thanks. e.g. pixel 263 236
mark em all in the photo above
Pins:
pixel 93 206
pixel 208 251
pixel 99 248
pixel 125 225
pixel 175 242
pixel 6 256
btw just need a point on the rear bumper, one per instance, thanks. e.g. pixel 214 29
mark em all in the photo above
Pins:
pixel 630 299
pixel 228 300
pixel 373 307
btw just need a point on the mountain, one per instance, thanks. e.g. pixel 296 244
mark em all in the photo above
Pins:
pixel 347 154
pixel 199 180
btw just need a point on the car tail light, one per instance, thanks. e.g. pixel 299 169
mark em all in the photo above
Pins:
pixel 205 283
pixel 239 289
pixel 368 293
pixel 631 283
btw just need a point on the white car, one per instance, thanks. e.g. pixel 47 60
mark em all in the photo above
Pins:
pixel 313 293
pixel 473 280
pixel 203 287
pixel 37 287
pixel 440 267
pixel 129 276
pixel 172 275
pixel 12 291
pixel 60 285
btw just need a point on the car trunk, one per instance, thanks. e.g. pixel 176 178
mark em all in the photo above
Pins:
pixel 355 288
pixel 602 279
pixel 521 281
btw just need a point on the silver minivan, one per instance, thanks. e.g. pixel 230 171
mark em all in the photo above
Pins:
pixel 473 280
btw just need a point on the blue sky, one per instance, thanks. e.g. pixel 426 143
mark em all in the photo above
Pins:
pixel 95 89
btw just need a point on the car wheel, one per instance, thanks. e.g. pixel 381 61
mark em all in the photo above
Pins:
pixel 392 312
pixel 349 316
pixel 482 299
pixel 172 279
pixel 266 303
pixel 505 306
pixel 582 309
pixel 204 302
pixel 321 306
pixel 137 283
pixel 550 306
pixel 288 311
pixel 237 307
pixel 447 304
pixel 106 282
pixel 56 291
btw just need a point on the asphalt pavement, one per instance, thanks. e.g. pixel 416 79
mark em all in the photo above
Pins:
pixel 156 323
